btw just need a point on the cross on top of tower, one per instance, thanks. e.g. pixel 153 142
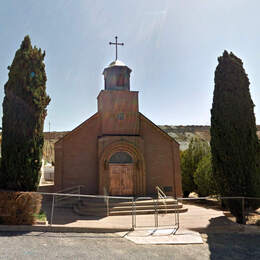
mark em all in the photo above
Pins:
pixel 116 43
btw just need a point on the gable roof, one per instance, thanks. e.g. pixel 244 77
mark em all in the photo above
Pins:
pixel 77 128
pixel 143 117
pixel 158 128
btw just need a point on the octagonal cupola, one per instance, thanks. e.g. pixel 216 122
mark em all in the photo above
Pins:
pixel 117 76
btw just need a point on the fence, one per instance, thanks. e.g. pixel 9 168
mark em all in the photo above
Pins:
pixel 65 208
pixel 74 209
pixel 165 212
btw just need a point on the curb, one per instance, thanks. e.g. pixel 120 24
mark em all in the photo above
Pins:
pixel 62 229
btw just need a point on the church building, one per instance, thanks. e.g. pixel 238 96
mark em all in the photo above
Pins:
pixel 118 151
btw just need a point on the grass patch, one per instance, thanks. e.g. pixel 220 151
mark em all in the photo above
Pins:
pixel 41 216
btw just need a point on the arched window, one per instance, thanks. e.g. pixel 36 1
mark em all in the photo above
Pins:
pixel 121 157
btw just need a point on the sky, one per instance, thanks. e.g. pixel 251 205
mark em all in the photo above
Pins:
pixel 171 46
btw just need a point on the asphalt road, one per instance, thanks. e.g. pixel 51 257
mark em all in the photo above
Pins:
pixel 37 246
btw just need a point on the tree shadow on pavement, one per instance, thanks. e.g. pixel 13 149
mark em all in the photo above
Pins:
pixel 227 240
pixel 63 214
pixel 13 233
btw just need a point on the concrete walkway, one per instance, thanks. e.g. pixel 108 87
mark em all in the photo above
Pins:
pixel 164 236
pixel 197 218
pixel 197 223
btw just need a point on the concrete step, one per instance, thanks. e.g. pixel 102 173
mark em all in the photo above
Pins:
pixel 127 208
pixel 112 204
pixel 138 205
pixel 147 211
pixel 144 207
pixel 65 202
pixel 88 212
pixel 100 209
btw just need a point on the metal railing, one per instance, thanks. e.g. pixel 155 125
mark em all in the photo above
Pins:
pixel 71 190
pixel 156 225
pixel 57 197
pixel 61 196
pixel 134 211
pixel 161 195
pixel 157 217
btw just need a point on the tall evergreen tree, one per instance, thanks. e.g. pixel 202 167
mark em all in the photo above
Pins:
pixel 24 111
pixel 234 141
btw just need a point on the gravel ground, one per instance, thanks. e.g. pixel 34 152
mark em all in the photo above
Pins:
pixel 36 245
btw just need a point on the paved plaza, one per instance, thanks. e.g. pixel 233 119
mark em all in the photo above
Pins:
pixel 197 218
pixel 212 234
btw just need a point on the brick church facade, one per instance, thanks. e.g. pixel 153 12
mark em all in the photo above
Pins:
pixel 118 151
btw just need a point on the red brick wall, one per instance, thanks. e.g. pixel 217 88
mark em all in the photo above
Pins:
pixel 177 170
pixel 162 159
pixel 77 157
pixel 111 104
pixel 77 154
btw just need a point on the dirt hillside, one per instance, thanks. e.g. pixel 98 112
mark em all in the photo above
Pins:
pixel 182 134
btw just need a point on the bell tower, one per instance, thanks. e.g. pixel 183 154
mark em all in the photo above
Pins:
pixel 117 105
pixel 117 76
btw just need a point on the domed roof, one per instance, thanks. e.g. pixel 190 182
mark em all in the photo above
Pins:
pixel 116 63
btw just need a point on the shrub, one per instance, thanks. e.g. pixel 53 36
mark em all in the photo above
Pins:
pixel 203 177
pixel 189 162
pixel 19 208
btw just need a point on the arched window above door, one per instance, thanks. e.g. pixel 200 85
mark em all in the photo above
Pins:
pixel 121 157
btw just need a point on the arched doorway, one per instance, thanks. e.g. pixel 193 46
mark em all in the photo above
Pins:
pixel 127 157
pixel 121 174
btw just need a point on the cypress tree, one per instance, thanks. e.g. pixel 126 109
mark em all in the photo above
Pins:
pixel 234 142
pixel 24 111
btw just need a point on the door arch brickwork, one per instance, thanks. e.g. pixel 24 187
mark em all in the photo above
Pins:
pixel 139 176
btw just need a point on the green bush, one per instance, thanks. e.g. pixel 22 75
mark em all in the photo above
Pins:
pixel 40 216
pixel 203 177
pixel 190 159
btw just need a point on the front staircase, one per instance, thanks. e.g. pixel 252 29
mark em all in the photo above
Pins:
pixel 92 207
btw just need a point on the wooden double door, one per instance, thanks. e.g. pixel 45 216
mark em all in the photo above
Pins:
pixel 121 178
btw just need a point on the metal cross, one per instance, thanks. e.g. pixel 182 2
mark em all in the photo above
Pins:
pixel 116 43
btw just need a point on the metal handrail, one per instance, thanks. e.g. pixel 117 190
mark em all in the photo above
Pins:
pixel 162 195
pixel 156 219
pixel 155 211
pixel 60 196
pixel 70 190
pixel 84 196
